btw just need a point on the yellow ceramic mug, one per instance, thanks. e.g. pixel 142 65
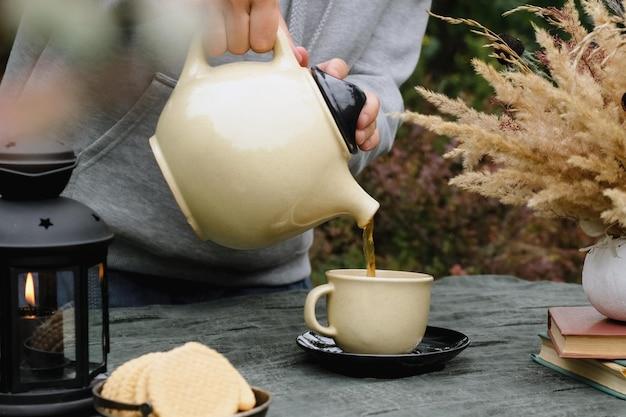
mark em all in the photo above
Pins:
pixel 387 314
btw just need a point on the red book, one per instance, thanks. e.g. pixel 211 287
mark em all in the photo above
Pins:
pixel 582 332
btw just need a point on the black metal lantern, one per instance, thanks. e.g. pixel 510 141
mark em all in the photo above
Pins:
pixel 54 335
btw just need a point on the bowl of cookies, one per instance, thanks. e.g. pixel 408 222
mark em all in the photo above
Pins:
pixel 192 380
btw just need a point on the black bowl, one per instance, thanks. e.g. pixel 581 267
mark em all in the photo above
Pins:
pixel 44 363
pixel 101 404
pixel 438 346
pixel 43 359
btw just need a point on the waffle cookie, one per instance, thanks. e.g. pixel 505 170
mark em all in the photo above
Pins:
pixel 192 380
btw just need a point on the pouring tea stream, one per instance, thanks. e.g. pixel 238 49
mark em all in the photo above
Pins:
pixel 257 152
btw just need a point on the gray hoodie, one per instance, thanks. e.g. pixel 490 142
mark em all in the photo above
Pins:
pixel 117 175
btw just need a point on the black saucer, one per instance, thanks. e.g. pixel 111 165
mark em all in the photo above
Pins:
pixel 438 346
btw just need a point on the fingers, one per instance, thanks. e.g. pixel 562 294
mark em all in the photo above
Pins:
pixel 362 135
pixel 237 20
pixel 303 56
pixel 336 67
pixel 369 112
pixel 215 42
pixel 237 26
pixel 367 135
pixel 372 142
pixel 264 20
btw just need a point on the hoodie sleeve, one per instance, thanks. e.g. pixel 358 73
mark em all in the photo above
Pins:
pixel 387 62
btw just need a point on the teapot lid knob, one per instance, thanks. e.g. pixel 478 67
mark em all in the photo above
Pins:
pixel 345 101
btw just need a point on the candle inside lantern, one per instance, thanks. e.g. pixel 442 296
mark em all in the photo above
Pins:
pixel 29 320
pixel 41 331
pixel 29 292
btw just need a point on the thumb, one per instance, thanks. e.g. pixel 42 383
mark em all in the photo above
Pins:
pixel 336 67
pixel 303 56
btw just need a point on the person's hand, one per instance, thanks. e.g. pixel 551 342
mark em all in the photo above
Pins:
pixel 238 26
pixel 367 136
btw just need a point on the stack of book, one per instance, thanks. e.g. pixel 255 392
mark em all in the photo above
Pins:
pixel 583 344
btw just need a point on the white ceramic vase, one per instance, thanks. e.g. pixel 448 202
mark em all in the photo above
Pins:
pixel 604 278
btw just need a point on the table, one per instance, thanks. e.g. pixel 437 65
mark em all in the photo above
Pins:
pixel 494 376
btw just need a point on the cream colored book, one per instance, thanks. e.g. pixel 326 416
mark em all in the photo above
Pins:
pixel 606 376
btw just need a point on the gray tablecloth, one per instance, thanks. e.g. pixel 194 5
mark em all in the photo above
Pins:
pixel 493 377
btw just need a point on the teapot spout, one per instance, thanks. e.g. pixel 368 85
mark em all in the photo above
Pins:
pixel 360 204
pixel 339 195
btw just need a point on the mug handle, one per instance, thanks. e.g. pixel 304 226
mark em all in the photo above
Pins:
pixel 196 64
pixel 309 310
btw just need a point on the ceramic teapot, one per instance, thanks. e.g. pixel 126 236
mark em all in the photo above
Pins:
pixel 257 152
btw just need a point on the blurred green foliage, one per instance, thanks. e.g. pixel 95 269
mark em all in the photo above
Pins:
pixel 426 225
pixel 447 50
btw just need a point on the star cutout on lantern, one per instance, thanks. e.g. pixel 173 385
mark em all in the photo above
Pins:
pixel 45 223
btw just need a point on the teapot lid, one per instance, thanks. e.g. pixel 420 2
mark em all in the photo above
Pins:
pixel 345 101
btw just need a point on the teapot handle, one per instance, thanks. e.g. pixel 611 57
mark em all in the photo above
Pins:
pixel 196 64
pixel 283 54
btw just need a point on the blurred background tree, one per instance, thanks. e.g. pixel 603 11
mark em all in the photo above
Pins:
pixel 424 224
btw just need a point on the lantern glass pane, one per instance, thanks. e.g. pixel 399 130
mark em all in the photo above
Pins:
pixel 46 323
pixel 95 277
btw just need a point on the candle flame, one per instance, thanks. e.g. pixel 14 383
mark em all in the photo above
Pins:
pixel 29 290
pixel 101 272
